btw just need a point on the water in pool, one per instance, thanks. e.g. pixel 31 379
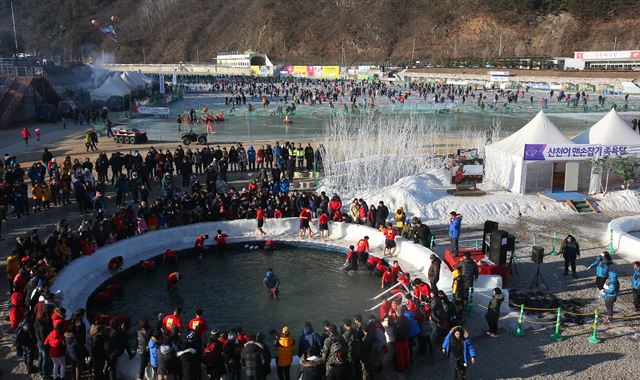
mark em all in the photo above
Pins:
pixel 229 288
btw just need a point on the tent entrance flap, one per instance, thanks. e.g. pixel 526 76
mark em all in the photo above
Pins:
pixel 571 176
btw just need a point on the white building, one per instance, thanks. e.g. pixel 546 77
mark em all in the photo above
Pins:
pixel 246 59
pixel 604 60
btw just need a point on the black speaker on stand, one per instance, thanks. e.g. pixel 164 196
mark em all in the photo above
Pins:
pixel 537 256
pixel 498 244
pixel 489 226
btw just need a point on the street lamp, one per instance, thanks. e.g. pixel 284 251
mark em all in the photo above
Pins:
pixel 61 32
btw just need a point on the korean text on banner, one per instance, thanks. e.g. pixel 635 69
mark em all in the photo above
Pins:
pixel 153 110
pixel 330 72
pixel 548 152
pixel 161 82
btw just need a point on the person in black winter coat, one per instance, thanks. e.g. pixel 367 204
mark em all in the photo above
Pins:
pixel 43 327
pixel 469 269
pixel 252 358
pixel 116 345
pixel 143 335
pixel 190 356
pixel 382 212
pixel 570 250
pixel 311 366
pixel 421 233
pixel 434 271
pixel 26 341
pixel 166 359
pixel 341 369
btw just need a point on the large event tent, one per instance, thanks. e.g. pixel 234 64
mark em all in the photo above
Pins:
pixel 113 86
pixel 610 130
pixel 505 164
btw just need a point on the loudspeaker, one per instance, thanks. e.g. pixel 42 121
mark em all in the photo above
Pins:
pixel 537 254
pixel 498 246
pixel 489 226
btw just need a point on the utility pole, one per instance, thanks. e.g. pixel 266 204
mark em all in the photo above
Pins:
pixel 15 35
pixel 284 51
pixel 500 46
pixel 343 58
pixel 615 42
pixel 413 49
pixel 144 56
pixel 82 54
pixel 197 55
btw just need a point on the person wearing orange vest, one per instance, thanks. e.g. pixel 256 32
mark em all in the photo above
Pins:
pixel 198 324
pixel 305 220
pixel 390 234
pixel 199 245
pixel 362 249
pixel 172 320
pixel 172 280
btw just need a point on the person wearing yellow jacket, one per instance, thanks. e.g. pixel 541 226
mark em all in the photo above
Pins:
pixel 12 268
pixel 36 191
pixel 46 195
pixel 284 354
pixel 400 218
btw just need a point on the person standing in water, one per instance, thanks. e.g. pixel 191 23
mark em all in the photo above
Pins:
pixel 272 283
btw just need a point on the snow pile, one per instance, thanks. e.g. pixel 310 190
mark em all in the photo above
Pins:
pixel 619 201
pixel 426 196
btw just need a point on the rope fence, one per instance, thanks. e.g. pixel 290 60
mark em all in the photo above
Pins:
pixel 593 321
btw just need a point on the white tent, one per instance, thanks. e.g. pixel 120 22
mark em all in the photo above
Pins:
pixel 145 79
pixel 113 86
pixel 504 160
pixel 610 130
pixel 133 82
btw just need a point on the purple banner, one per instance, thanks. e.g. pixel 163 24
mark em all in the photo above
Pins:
pixel 571 152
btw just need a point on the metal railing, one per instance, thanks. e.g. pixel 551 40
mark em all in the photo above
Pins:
pixel 10 107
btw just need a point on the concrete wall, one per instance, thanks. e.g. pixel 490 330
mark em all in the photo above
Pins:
pixel 625 244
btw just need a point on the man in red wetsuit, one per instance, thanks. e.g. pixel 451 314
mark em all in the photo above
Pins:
pixel 172 320
pixel 170 257
pixel 260 217
pixel 395 270
pixel 387 278
pixel 147 265
pixel 323 222
pixel 198 324
pixel 172 280
pixel 221 241
pixel 305 220
pixel 199 245
pixel 362 249
pixel 352 260
pixel 390 234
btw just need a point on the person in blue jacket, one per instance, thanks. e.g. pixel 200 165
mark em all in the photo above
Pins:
pixel 458 349
pixel 602 264
pixel 251 156
pixel 611 294
pixel 272 283
pixel 414 328
pixel 454 231
pixel 635 285
pixel 154 343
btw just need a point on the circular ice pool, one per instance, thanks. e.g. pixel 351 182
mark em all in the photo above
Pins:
pixel 228 287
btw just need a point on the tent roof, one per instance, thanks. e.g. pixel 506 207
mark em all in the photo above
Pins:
pixel 539 130
pixel 113 86
pixel 611 129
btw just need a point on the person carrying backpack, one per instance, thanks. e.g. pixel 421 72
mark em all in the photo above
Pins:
pixel 332 344
pixel 308 339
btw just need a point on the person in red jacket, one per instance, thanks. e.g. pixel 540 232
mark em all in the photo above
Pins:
pixel 172 280
pixel 16 309
pixel 20 280
pixel 421 290
pixel 277 214
pixel 323 222
pixel 335 204
pixel 372 262
pixel 305 221
pixel 338 217
pixel 198 324
pixel 352 260
pixel 199 246
pixel 148 266
pixel 362 249
pixel 390 234
pixel 382 267
pixel 57 349
pixel 260 217
pixel 172 320
pixel 170 257
pixel 115 264
pixel 387 279
pixel 221 241
pixel 395 270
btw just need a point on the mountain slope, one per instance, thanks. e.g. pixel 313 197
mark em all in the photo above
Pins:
pixel 302 31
